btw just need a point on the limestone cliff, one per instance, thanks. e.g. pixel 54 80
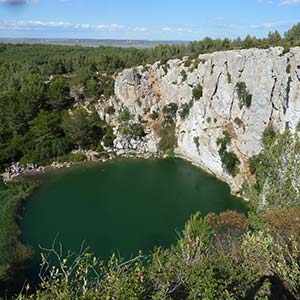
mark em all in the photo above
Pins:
pixel 243 92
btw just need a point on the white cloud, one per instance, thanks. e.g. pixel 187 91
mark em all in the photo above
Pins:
pixel 289 2
pixel 280 2
pixel 13 2
pixel 270 25
pixel 42 25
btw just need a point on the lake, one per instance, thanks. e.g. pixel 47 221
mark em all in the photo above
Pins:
pixel 121 206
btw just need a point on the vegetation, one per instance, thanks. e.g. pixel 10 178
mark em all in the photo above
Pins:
pixel 13 254
pixel 277 170
pixel 268 134
pixel 40 83
pixel 244 96
pixel 167 137
pixel 185 109
pixel 84 130
pixel 125 115
pixel 226 256
pixel 197 92
pixel 170 111
pixel 72 157
pixel 154 115
pixel 229 159
pixel 43 90
pixel 183 75
pixel 109 137
pixel 135 130
pixel 239 122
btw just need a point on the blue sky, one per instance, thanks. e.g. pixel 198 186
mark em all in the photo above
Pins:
pixel 145 19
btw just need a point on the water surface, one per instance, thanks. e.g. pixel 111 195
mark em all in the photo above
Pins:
pixel 121 206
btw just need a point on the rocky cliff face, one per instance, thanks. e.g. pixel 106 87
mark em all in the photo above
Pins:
pixel 238 92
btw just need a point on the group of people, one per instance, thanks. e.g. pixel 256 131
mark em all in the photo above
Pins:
pixel 16 170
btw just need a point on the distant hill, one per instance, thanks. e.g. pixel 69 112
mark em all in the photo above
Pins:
pixel 91 42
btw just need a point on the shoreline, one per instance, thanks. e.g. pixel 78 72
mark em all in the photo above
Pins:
pixel 55 165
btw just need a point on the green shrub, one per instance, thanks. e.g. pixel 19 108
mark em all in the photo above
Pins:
pixel 197 92
pixel 254 162
pixel 125 115
pixel 243 94
pixel 268 134
pixel 183 75
pixel 239 122
pixel 110 110
pixel 188 62
pixel 72 157
pixel 137 129
pixel 195 64
pixel 230 162
pixel 248 100
pixel 276 171
pixel 229 159
pixel 170 111
pixel 167 137
pixel 109 137
pixel 185 110
pixel 154 115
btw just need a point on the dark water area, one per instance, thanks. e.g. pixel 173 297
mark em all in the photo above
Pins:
pixel 121 206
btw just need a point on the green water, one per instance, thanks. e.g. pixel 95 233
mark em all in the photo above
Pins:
pixel 121 206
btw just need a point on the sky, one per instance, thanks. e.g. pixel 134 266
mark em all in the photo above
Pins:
pixel 145 19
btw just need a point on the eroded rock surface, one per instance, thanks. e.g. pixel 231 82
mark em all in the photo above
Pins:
pixel 271 78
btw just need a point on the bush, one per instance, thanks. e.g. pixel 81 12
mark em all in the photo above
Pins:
pixel 167 137
pixel 229 159
pixel 154 115
pixel 197 92
pixel 185 110
pixel 183 75
pixel 72 157
pixel 230 162
pixel 125 115
pixel 243 94
pixel 109 137
pixel 268 134
pixel 239 122
pixel 134 130
pixel 188 62
pixel 110 110
pixel 170 111
pixel 254 162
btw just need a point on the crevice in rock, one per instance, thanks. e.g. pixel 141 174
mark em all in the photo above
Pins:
pixel 216 88
pixel 244 64
pixel 271 99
